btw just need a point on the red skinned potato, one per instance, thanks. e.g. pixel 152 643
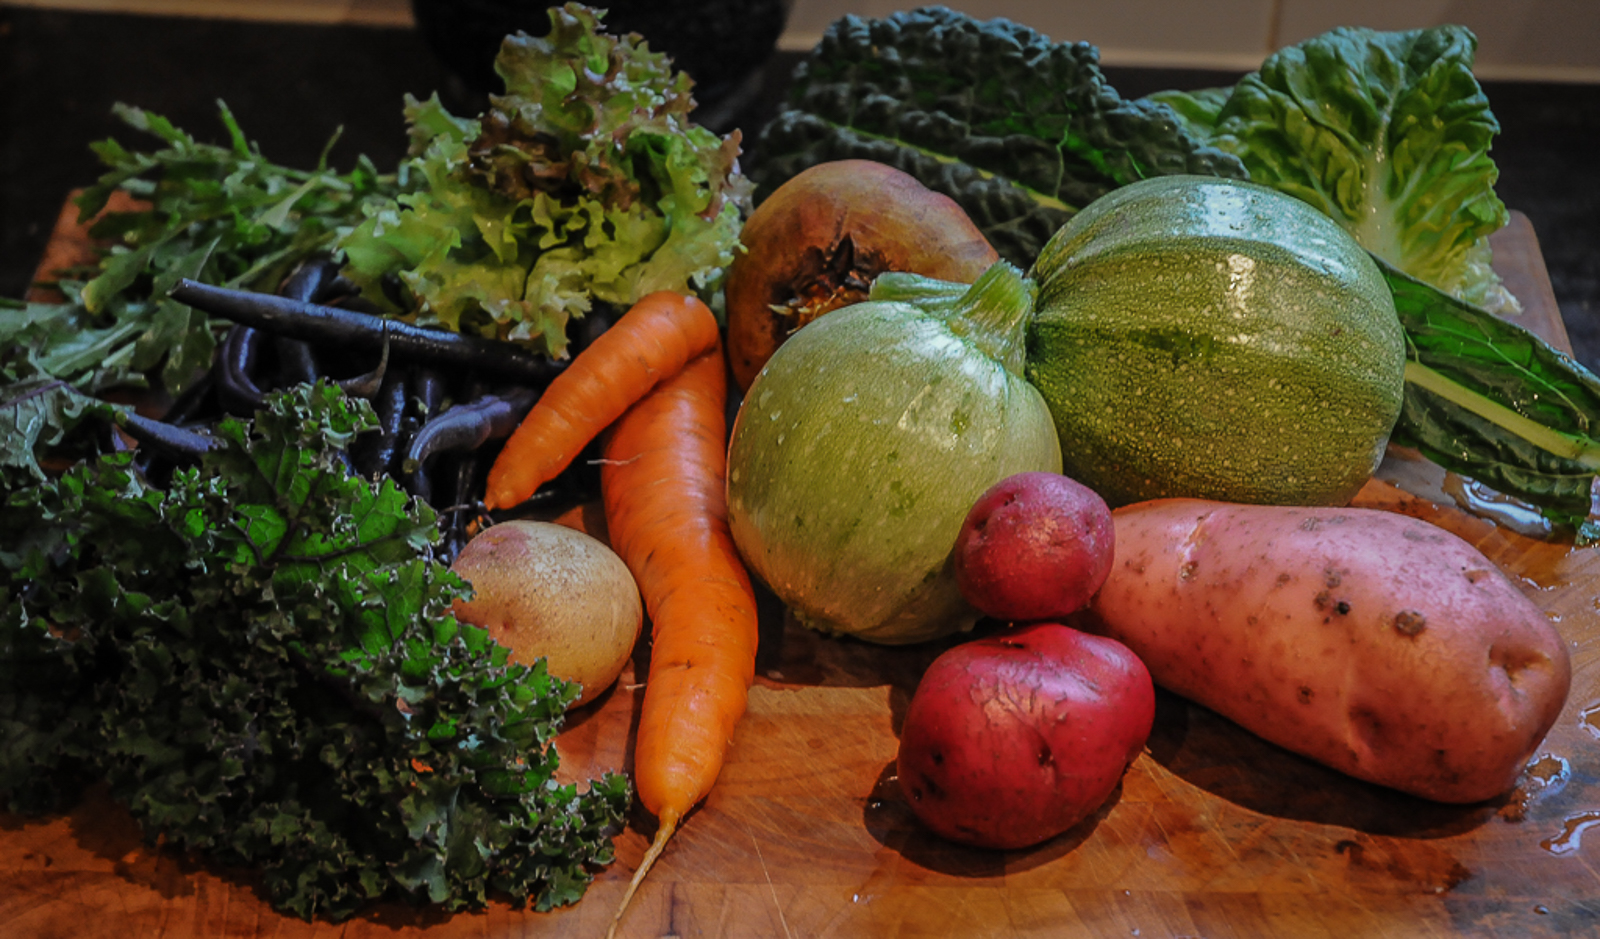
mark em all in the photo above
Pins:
pixel 818 241
pixel 1012 739
pixel 1376 644
pixel 1036 546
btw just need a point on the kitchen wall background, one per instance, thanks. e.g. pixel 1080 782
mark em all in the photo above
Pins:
pixel 1540 40
pixel 1533 40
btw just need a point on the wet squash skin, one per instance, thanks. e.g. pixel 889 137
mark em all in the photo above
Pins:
pixel 1215 339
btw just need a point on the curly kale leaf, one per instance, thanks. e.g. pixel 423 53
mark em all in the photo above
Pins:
pixel 261 664
pixel 40 415
pixel 1021 131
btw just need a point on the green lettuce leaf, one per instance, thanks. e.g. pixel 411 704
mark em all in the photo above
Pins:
pixel 585 181
pixel 65 341
pixel 260 663
pixel 1386 132
pixel 1021 131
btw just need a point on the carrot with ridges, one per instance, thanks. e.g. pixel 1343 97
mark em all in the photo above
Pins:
pixel 662 482
pixel 652 341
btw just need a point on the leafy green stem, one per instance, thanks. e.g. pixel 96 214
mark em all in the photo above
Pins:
pixel 1581 450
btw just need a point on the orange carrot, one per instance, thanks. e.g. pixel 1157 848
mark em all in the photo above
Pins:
pixel 662 482
pixel 651 342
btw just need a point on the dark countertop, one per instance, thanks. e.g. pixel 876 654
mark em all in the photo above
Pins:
pixel 291 86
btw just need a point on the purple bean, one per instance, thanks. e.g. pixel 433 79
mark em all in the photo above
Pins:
pixel 237 390
pixel 347 329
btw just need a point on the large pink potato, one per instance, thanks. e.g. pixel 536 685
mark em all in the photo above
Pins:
pixel 1012 739
pixel 1377 644
pixel 1035 546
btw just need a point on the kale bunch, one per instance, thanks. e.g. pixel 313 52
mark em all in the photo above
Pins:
pixel 260 663
pixel 1021 131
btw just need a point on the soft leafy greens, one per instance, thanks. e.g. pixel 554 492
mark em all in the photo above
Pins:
pixel 1486 398
pixel 261 664
pixel 222 215
pixel 38 415
pixel 585 181
pixel 1388 133
pixel 1021 131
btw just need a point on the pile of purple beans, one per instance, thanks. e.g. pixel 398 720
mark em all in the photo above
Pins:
pixel 445 401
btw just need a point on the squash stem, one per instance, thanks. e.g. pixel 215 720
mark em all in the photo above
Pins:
pixel 993 314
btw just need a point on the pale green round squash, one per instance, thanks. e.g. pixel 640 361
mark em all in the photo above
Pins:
pixel 1216 339
pixel 867 437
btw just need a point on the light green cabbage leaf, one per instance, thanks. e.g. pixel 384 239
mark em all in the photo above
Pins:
pixel 1388 133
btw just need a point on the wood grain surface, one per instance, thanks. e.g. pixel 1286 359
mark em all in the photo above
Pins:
pixel 1213 833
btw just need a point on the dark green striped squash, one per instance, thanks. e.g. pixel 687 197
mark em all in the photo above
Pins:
pixel 1212 338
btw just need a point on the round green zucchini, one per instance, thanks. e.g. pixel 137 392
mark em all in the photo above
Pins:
pixel 1216 339
pixel 865 439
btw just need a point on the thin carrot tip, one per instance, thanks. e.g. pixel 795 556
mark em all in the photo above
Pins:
pixel 669 824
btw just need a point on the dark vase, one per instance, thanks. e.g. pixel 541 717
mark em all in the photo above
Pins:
pixel 722 44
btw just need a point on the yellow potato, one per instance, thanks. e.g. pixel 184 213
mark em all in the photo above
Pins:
pixel 547 591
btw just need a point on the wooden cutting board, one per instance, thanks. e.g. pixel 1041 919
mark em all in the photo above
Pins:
pixel 1213 833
